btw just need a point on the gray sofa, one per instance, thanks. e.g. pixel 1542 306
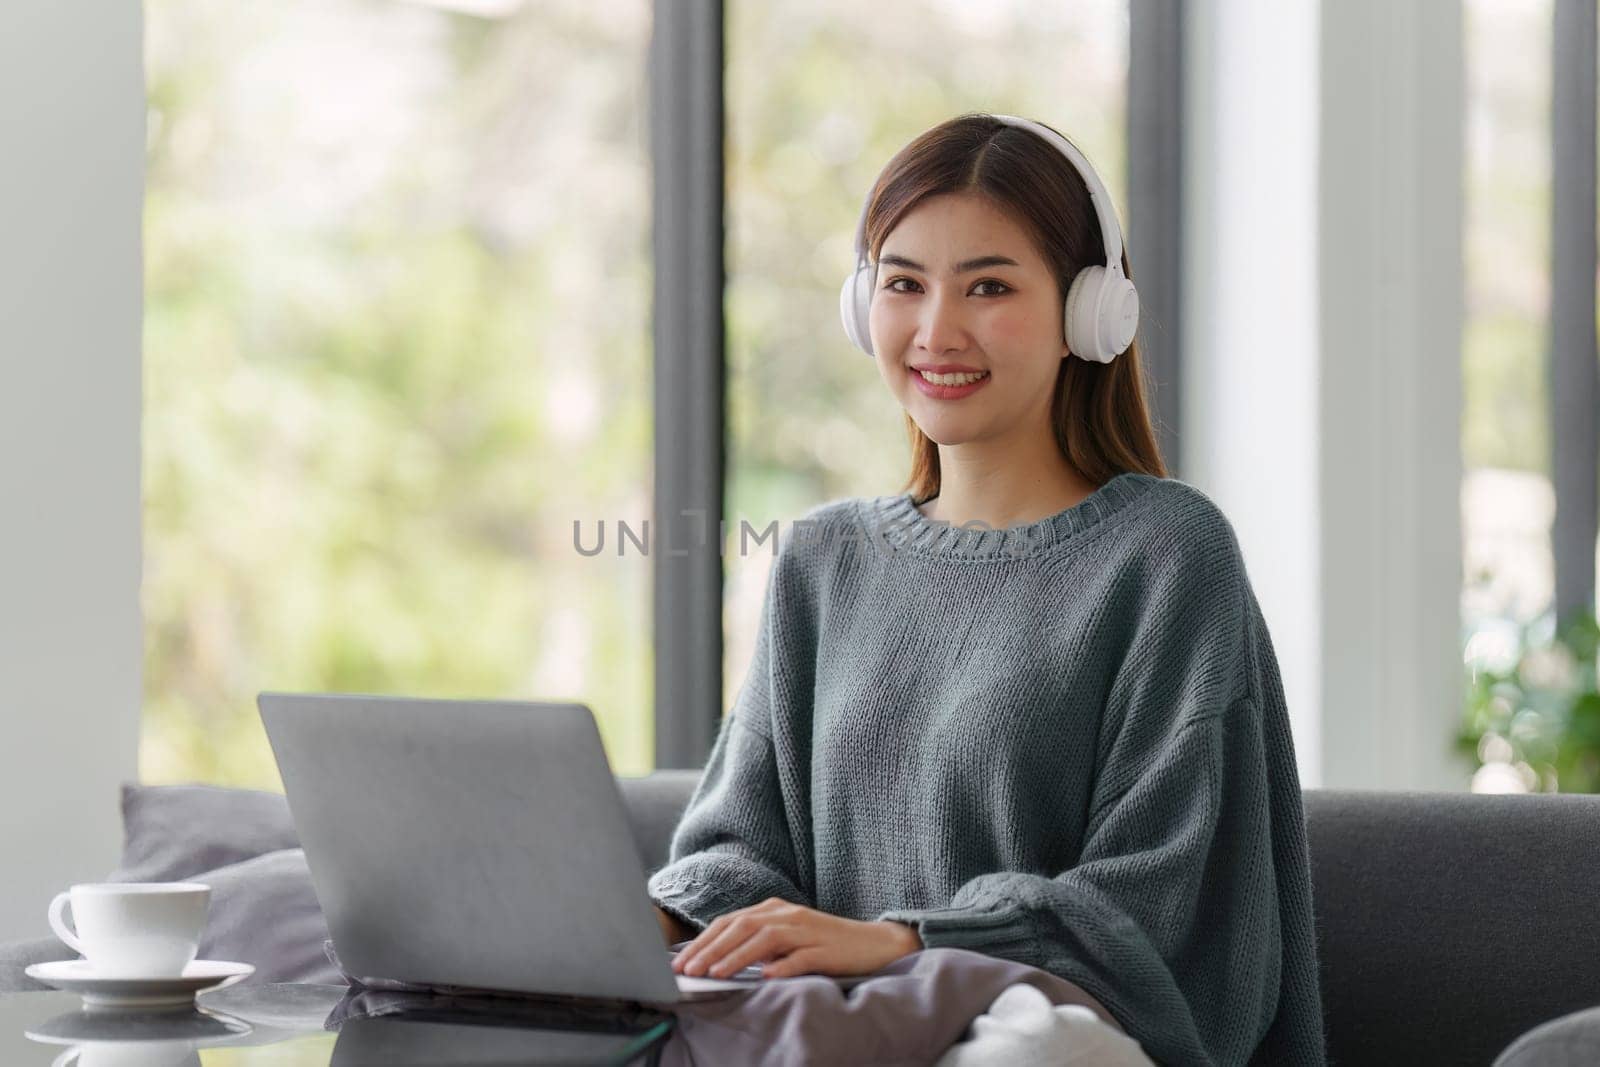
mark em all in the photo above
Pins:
pixel 1449 924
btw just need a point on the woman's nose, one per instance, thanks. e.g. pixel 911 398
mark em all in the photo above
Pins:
pixel 941 323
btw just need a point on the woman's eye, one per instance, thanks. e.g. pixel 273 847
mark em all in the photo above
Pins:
pixel 1003 287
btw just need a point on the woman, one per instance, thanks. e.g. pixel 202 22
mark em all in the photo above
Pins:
pixel 1057 736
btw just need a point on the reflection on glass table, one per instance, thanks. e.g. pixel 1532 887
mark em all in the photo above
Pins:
pixel 284 1026
pixel 409 1042
pixel 102 1039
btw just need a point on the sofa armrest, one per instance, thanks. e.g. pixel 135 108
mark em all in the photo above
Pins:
pixel 17 955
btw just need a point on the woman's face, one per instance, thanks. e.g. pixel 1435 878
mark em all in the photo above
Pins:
pixel 942 300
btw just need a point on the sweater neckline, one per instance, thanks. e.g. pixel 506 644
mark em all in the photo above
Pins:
pixel 897 520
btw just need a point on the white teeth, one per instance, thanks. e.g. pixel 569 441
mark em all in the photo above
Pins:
pixel 952 379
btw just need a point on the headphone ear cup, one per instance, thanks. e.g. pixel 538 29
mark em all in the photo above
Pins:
pixel 855 306
pixel 1080 318
pixel 1118 315
pixel 1101 315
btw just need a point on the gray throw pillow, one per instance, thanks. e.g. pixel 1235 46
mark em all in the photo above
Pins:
pixel 175 832
pixel 242 843
pixel 264 911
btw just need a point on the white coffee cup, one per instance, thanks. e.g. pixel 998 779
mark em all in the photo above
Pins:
pixel 134 929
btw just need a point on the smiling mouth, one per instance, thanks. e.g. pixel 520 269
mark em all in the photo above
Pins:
pixel 947 386
pixel 953 378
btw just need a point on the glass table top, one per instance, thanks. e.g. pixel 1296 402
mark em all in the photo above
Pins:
pixel 284 1026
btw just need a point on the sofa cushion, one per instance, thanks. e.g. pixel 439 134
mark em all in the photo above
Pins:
pixel 1450 923
pixel 655 802
pixel 174 832
pixel 264 912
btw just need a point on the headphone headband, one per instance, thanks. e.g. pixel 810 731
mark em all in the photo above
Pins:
pixel 1104 211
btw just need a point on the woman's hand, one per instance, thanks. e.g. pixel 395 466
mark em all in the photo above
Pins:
pixel 792 939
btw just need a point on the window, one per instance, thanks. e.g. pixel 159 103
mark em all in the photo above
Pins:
pixel 1507 500
pixel 397 288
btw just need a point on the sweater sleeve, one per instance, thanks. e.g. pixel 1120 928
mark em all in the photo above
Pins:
pixel 1171 916
pixel 739 841
pixel 731 848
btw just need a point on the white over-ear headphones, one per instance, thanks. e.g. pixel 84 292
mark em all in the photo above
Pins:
pixel 1102 309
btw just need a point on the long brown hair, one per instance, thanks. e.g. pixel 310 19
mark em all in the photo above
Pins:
pixel 1098 412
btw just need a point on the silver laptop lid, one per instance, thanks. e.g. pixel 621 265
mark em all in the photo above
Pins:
pixel 473 843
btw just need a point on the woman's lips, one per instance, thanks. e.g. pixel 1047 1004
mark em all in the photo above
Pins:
pixel 946 392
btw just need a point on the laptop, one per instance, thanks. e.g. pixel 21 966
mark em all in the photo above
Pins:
pixel 476 844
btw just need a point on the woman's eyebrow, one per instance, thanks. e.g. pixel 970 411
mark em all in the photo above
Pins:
pixel 960 268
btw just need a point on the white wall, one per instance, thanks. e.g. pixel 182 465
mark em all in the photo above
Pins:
pixel 1322 384
pixel 71 187
pixel 1391 218
pixel 1250 427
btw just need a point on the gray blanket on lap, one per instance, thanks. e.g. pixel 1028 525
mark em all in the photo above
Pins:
pixel 910 1012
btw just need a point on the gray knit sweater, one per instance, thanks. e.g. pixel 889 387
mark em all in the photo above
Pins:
pixel 1063 743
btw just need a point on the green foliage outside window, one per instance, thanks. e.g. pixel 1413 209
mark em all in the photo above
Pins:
pixel 392 351
pixel 1540 715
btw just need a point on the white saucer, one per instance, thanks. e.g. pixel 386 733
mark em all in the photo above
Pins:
pixel 108 992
